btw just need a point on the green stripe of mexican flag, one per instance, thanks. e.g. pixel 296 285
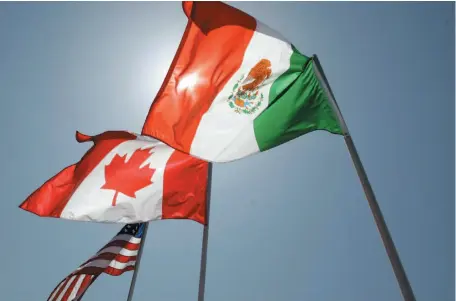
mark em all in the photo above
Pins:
pixel 235 88
pixel 297 105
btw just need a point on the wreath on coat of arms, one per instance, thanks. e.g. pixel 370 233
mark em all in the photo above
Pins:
pixel 245 97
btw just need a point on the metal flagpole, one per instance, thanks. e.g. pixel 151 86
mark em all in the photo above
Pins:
pixel 138 261
pixel 398 269
pixel 202 280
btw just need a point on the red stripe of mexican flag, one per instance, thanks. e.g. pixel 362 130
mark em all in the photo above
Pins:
pixel 235 88
pixel 125 178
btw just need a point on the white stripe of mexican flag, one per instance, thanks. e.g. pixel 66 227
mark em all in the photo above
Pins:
pixel 266 57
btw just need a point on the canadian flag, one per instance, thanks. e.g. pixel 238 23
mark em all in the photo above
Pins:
pixel 125 178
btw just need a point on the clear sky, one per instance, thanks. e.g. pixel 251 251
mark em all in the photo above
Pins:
pixel 291 224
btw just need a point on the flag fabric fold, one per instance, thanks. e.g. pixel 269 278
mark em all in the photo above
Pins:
pixel 125 178
pixel 235 88
pixel 115 258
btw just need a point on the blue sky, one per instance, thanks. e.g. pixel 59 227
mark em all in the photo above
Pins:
pixel 301 228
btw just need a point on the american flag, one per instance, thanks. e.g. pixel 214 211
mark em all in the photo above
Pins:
pixel 115 258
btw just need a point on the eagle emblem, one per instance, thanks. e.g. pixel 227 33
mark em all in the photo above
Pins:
pixel 245 97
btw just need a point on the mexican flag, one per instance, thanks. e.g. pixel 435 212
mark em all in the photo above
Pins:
pixel 235 88
pixel 125 178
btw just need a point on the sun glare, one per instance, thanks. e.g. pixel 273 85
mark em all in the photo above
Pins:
pixel 188 82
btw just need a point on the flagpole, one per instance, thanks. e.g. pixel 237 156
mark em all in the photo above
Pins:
pixel 398 269
pixel 202 280
pixel 138 262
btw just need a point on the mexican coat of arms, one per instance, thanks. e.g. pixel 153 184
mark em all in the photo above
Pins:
pixel 245 96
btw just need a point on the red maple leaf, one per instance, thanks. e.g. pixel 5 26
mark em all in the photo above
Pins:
pixel 127 177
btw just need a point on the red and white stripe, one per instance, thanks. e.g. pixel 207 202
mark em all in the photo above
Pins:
pixel 72 287
pixel 115 258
